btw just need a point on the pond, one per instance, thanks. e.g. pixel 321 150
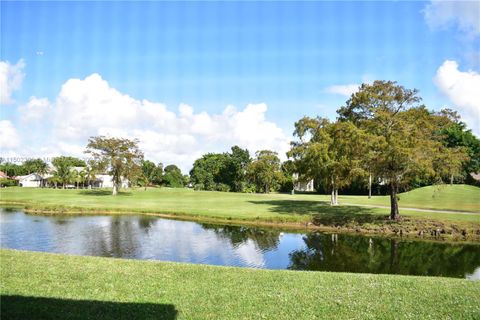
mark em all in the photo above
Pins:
pixel 148 237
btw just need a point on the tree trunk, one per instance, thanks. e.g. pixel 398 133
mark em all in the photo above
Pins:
pixel 394 214
pixel 332 197
pixel 369 186
pixel 336 197
pixel 115 189
pixel 451 179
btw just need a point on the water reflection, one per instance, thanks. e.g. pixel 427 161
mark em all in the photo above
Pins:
pixel 264 239
pixel 148 237
pixel 377 255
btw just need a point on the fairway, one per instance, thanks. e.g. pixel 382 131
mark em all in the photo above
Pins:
pixel 42 286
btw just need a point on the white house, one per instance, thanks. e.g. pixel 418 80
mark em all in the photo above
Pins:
pixel 106 181
pixel 32 180
pixel 303 186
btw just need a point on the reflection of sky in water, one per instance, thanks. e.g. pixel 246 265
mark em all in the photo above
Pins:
pixel 143 237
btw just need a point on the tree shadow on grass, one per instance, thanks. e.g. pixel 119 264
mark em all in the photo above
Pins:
pixel 102 192
pixel 323 213
pixel 22 307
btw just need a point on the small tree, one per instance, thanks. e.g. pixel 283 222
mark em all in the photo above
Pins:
pixel 63 172
pixel 121 157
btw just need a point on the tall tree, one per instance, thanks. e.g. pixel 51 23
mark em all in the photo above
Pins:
pixel 173 177
pixel 148 172
pixel 264 171
pixel 121 157
pixel 405 131
pixel 209 171
pixel 63 172
pixel 455 135
pixel 235 168
pixel 329 152
pixel 36 165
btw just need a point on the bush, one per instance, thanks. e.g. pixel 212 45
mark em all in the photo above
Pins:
pixel 8 183
pixel 199 186
pixel 222 187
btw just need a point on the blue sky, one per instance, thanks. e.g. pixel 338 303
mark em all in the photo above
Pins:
pixel 209 55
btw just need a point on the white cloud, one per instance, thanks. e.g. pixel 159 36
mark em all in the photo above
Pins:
pixel 35 109
pixel 462 89
pixel 11 77
pixel 344 90
pixel 9 138
pixel 463 14
pixel 90 106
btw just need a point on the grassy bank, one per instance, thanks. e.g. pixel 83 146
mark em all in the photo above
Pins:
pixel 313 211
pixel 44 286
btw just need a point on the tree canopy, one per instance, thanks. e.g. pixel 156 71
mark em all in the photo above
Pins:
pixel 120 157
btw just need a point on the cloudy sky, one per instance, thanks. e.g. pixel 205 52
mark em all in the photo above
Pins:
pixel 191 78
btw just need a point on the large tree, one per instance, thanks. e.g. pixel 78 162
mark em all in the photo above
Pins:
pixel 151 173
pixel 265 171
pixel 63 172
pixel 173 177
pixel 35 166
pixel 329 152
pixel 121 157
pixel 407 145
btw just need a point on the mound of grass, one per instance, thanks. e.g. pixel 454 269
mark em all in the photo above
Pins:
pixel 439 197
pixel 50 286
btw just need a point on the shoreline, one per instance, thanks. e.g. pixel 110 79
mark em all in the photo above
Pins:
pixel 408 228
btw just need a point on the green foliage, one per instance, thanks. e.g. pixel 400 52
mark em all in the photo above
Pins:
pixel 121 157
pixel 455 135
pixel 208 171
pixel 151 173
pixel 63 173
pixel 8 183
pixel 404 140
pixel 13 169
pixel 264 172
pixel 173 177
pixel 331 153
pixel 225 169
pixel 35 166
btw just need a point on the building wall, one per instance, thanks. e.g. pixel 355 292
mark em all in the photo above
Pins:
pixel 29 183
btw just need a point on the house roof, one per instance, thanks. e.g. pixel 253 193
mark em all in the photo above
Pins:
pixel 34 175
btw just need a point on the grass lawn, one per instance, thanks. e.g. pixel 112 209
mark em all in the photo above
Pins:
pixel 441 197
pixel 49 286
pixel 261 208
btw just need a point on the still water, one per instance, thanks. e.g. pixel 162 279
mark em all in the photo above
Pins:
pixel 146 237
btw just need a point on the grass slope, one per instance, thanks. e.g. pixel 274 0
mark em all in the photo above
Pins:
pixel 45 286
pixel 441 197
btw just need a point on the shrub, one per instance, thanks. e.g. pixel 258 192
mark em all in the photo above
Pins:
pixel 8 183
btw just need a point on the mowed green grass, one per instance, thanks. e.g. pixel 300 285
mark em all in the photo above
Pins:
pixel 240 206
pixel 440 197
pixel 50 286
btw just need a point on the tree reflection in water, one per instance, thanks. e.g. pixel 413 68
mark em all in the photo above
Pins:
pixel 264 239
pixel 116 239
pixel 347 253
